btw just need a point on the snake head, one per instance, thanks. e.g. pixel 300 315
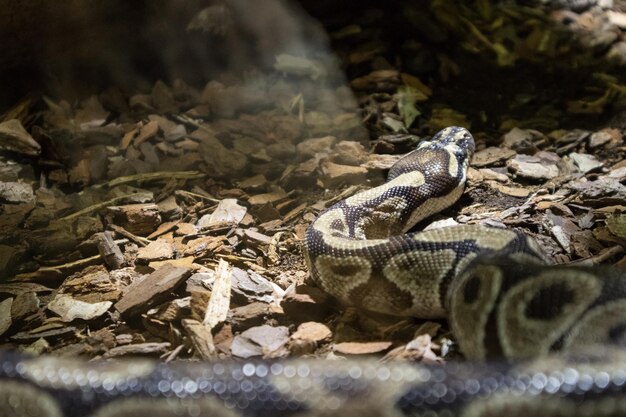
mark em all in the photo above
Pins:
pixel 454 139
pixel 446 155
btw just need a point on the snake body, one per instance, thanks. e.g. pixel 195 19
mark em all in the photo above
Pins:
pixel 565 327
pixel 492 284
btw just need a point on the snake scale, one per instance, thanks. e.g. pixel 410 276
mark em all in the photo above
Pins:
pixel 554 335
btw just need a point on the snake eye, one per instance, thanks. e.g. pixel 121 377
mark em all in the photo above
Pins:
pixel 466 141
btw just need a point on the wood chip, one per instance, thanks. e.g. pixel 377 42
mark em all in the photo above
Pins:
pixel 278 194
pixel 228 211
pixel 16 192
pixel 109 250
pixel 266 341
pixel 533 167
pixel 217 309
pixel 155 251
pixel 491 156
pixel 511 191
pixel 5 315
pixel 361 348
pixel 312 331
pixel 148 292
pixel 201 338
pixel 139 219
pixel 14 137
pixel 334 175
pixel 586 163
pixel 16 288
pixel 150 348
pixel 69 309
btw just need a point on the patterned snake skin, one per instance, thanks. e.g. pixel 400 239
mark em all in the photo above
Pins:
pixel 562 328
pixel 492 284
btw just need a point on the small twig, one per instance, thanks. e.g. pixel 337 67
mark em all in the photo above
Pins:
pixel 599 258
pixel 142 241
pixel 95 207
pixel 234 257
pixel 196 195
pixel 173 354
pixel 152 176
pixel 57 271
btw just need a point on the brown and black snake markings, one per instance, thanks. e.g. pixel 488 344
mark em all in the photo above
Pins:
pixel 553 336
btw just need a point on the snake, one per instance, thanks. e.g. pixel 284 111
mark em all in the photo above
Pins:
pixel 539 339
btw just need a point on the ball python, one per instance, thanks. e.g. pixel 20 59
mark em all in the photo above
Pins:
pixel 494 285
pixel 562 329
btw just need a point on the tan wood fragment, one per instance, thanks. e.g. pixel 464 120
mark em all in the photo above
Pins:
pixel 5 315
pixel 201 338
pixel 217 309
pixel 15 138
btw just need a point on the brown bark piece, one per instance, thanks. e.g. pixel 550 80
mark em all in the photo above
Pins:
pixel 109 250
pixel 15 138
pixel 150 290
pixel 138 349
pixel 263 340
pixel 275 196
pixel 158 250
pixel 491 156
pixel 139 219
pixel 312 331
pixel 92 285
pixel 249 315
pixel 334 175
pixel 25 303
